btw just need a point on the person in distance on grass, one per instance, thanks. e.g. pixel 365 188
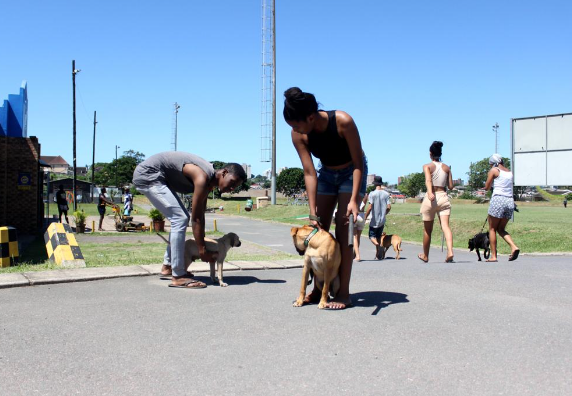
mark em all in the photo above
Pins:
pixel 62 203
pixel 379 207
pixel 160 178
pixel 127 202
pixel 101 207
pixel 501 207
pixel 333 138
pixel 437 178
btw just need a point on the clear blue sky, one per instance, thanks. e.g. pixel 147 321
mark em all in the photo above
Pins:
pixel 408 72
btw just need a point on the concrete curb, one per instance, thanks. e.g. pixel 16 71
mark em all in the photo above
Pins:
pixel 36 278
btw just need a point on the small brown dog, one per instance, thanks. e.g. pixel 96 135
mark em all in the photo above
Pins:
pixel 323 257
pixel 221 246
pixel 390 240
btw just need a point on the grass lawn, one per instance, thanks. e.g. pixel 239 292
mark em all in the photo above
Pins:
pixel 537 228
pixel 91 209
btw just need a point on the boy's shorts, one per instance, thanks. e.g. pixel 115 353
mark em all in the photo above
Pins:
pixel 375 232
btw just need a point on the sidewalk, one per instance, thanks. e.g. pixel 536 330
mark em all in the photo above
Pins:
pixel 34 278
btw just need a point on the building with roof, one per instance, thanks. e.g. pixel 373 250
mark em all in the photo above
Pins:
pixel 57 163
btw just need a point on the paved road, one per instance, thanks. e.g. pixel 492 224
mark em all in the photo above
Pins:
pixel 439 329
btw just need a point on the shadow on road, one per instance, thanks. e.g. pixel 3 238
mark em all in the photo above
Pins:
pixel 378 299
pixel 242 280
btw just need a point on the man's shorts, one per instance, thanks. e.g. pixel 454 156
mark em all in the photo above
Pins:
pixel 440 205
pixel 375 232
pixel 101 210
pixel 334 182
pixel 501 207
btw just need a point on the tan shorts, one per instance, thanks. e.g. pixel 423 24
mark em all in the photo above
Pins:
pixel 440 205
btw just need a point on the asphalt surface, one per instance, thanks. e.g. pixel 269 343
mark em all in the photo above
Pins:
pixel 466 328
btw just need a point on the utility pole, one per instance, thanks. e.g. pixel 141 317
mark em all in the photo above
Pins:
pixel 74 72
pixel 177 107
pixel 496 131
pixel 273 197
pixel 93 156
pixel 116 184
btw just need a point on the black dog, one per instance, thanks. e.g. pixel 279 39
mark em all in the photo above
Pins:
pixel 480 241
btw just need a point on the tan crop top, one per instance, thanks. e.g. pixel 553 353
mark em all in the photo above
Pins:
pixel 439 176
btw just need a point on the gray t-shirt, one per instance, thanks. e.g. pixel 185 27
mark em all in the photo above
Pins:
pixel 167 169
pixel 379 199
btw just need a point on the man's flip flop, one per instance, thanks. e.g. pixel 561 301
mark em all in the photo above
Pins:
pixel 514 255
pixel 169 277
pixel 491 261
pixel 190 284
pixel 419 257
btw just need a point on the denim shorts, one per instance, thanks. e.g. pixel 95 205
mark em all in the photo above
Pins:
pixel 334 182
pixel 375 232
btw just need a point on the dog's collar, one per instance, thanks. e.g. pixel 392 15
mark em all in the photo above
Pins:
pixel 314 232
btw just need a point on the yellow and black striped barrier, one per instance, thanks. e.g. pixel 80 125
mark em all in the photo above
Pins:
pixel 62 247
pixel 8 246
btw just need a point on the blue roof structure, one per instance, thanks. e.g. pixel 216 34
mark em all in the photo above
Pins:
pixel 14 114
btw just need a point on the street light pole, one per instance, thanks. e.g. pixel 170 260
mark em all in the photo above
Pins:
pixel 93 155
pixel 496 131
pixel 74 72
pixel 116 184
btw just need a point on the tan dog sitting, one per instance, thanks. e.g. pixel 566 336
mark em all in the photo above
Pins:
pixel 390 240
pixel 322 256
pixel 221 246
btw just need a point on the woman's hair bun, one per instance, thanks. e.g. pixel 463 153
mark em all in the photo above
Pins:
pixel 293 93
pixel 435 149
pixel 298 105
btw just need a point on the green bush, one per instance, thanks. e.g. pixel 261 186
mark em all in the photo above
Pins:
pixel 466 195
pixel 156 215
pixel 79 217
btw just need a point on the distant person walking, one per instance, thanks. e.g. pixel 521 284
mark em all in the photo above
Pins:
pixel 101 207
pixel 437 178
pixel 62 203
pixel 501 207
pixel 379 207
pixel 333 138
pixel 127 202
pixel 565 202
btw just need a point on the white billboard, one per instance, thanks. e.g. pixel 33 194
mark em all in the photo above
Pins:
pixel 542 150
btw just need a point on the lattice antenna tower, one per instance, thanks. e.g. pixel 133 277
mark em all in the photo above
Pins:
pixel 174 134
pixel 267 108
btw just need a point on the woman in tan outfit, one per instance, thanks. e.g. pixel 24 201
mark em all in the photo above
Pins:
pixel 437 178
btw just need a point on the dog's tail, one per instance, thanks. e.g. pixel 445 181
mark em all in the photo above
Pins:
pixel 311 276
pixel 163 238
pixel 399 247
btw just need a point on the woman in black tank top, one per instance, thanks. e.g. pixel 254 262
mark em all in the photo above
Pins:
pixel 331 136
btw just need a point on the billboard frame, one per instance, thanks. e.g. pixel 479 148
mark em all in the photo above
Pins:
pixel 544 151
